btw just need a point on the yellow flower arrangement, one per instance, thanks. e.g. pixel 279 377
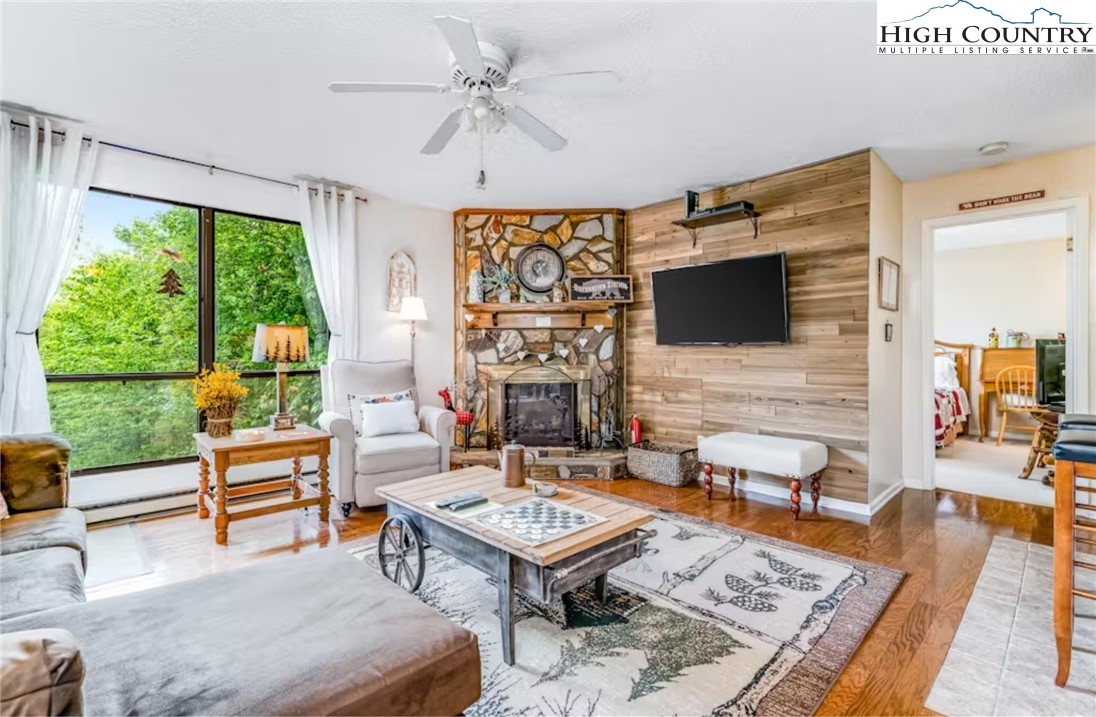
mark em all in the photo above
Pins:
pixel 218 392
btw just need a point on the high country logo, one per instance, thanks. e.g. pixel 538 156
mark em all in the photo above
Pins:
pixel 989 27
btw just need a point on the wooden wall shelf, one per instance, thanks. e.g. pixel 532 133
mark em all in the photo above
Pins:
pixel 719 216
pixel 541 315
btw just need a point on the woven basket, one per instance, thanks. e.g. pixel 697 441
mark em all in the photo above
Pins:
pixel 663 463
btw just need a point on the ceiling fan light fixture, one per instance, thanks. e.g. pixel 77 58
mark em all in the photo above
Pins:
pixel 988 150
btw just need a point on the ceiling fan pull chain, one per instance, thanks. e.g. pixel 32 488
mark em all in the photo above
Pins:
pixel 481 181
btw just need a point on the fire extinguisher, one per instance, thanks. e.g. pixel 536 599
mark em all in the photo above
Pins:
pixel 635 427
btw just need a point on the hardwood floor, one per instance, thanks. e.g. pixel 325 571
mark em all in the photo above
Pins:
pixel 940 540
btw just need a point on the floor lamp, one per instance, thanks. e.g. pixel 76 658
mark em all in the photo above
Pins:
pixel 412 309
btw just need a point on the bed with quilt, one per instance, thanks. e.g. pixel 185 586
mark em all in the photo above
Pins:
pixel 951 391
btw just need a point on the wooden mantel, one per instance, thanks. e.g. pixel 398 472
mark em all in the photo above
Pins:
pixel 539 315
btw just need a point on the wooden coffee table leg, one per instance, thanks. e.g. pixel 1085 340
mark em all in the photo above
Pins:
pixel 505 579
pixel 222 518
pixel 203 487
pixel 601 588
pixel 708 480
pixel 325 495
pixel 816 488
pixel 732 474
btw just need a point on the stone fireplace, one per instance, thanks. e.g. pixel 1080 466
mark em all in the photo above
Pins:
pixel 539 406
pixel 582 339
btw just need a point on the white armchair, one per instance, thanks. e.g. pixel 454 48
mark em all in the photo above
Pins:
pixel 361 465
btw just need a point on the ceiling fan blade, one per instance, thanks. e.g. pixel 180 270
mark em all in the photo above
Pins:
pixel 462 42
pixel 386 87
pixel 533 127
pixel 443 133
pixel 594 81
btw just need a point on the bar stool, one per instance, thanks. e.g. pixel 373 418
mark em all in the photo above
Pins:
pixel 1074 460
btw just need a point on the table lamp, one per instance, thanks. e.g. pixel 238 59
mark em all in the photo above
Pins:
pixel 412 309
pixel 283 345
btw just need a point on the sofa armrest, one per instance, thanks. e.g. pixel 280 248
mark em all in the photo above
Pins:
pixel 34 471
pixel 341 462
pixel 42 673
pixel 440 424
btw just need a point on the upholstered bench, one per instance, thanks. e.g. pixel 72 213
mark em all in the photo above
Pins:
pixel 790 457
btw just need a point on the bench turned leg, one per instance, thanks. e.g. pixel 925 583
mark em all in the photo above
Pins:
pixel 797 485
pixel 732 474
pixel 816 488
pixel 708 480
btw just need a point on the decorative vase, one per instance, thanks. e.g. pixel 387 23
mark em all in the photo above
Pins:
pixel 219 427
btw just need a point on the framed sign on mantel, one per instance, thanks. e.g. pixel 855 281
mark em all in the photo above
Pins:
pixel 601 287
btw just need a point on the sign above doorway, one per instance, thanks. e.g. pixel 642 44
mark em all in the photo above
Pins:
pixel 1007 199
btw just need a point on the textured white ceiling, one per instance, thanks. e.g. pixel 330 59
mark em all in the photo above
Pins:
pixel 715 92
pixel 1040 227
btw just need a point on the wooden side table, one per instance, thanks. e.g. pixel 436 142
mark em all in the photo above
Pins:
pixel 223 453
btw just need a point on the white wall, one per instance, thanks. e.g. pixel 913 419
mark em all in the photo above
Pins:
pixel 426 235
pixel 884 359
pixel 1020 286
pixel 1063 175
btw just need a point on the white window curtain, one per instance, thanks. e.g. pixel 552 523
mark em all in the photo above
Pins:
pixel 331 238
pixel 43 182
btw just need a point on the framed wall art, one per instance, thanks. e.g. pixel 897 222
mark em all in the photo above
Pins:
pixel 400 280
pixel 889 276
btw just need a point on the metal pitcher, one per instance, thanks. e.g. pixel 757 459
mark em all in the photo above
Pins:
pixel 512 459
pixel 1015 339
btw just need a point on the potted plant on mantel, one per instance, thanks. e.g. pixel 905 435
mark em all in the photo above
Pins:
pixel 501 281
pixel 218 393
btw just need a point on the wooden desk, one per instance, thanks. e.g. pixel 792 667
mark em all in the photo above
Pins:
pixel 224 453
pixel 993 362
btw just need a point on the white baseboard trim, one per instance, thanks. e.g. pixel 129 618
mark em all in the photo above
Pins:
pixel 776 491
pixel 914 484
pixel 886 496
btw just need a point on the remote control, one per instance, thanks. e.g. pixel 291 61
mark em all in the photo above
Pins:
pixel 470 502
pixel 448 503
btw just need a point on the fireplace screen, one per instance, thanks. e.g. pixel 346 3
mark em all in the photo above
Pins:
pixel 540 414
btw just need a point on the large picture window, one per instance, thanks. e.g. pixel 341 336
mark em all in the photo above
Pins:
pixel 158 291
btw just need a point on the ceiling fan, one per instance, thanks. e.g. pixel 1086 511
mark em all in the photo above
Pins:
pixel 479 72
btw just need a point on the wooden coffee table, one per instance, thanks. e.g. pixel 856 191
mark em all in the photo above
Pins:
pixel 223 453
pixel 542 572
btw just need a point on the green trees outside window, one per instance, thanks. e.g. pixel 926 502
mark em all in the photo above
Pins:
pixel 131 305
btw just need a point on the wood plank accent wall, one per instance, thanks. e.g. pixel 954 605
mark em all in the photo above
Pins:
pixel 816 387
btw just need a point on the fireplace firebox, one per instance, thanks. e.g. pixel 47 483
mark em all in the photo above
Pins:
pixel 539 406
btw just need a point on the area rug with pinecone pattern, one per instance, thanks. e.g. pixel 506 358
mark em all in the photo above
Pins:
pixel 708 621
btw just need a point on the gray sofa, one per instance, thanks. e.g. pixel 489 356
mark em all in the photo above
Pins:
pixel 43 545
pixel 319 633
pixel 361 465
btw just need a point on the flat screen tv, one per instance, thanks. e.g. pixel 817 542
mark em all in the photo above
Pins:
pixel 739 301
pixel 1050 372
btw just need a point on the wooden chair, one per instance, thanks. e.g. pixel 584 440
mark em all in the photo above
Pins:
pixel 1015 394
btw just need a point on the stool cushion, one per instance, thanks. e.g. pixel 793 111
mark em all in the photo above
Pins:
pixel 1077 421
pixel 1076 445
pixel 766 454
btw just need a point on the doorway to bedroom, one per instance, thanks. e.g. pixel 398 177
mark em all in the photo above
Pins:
pixel 1000 317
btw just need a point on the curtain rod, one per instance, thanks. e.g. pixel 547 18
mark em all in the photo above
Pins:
pixel 210 167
